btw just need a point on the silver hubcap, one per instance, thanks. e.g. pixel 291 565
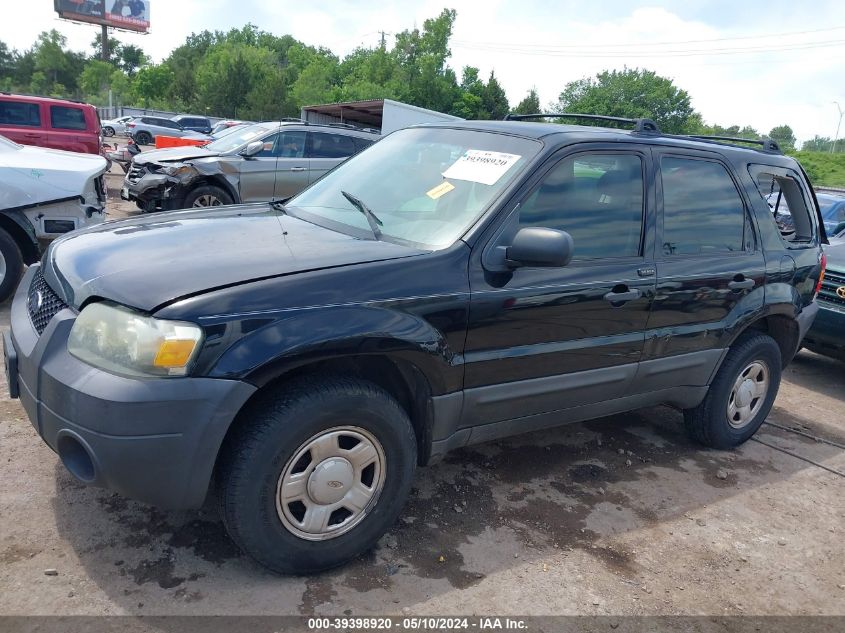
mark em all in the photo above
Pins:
pixel 330 484
pixel 748 394
pixel 207 201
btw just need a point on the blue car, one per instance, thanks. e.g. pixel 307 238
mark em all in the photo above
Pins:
pixel 833 212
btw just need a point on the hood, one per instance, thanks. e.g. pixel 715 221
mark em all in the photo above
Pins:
pixel 172 154
pixel 34 175
pixel 151 261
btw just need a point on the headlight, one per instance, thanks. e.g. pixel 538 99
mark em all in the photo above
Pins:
pixel 120 340
pixel 176 170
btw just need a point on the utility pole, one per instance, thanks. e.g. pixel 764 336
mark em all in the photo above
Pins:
pixel 104 42
pixel 382 38
pixel 836 136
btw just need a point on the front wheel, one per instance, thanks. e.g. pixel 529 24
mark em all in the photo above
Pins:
pixel 11 265
pixel 316 473
pixel 741 395
pixel 207 196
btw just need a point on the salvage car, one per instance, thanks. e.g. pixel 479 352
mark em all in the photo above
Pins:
pixel 256 163
pixel 452 284
pixel 43 194
pixel 111 127
pixel 827 336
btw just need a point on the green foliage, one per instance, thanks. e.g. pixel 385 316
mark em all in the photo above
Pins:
pixel 823 144
pixel 153 83
pixel 823 168
pixel 784 136
pixel 530 104
pixel 630 93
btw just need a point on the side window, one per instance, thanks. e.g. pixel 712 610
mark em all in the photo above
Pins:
pixel 64 118
pixel 283 145
pixel 20 113
pixel 361 144
pixel 702 209
pixel 788 201
pixel 595 197
pixel 330 145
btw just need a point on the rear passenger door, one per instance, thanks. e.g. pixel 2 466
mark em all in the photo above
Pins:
pixel 68 128
pixel 547 339
pixel 710 267
pixel 325 151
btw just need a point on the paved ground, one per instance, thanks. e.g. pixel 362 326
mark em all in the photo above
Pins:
pixel 621 515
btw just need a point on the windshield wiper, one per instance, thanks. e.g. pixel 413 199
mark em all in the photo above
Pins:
pixel 372 218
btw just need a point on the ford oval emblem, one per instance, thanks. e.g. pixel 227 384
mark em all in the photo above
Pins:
pixel 335 484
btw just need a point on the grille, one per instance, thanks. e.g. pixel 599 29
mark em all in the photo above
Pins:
pixel 135 174
pixel 832 281
pixel 42 303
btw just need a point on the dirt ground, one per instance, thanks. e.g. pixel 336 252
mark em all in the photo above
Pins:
pixel 621 515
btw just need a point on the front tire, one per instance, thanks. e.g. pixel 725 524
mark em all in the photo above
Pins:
pixel 316 473
pixel 11 265
pixel 207 196
pixel 741 395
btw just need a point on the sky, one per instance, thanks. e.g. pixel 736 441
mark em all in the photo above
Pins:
pixel 758 63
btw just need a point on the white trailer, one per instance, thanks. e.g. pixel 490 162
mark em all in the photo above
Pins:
pixel 384 115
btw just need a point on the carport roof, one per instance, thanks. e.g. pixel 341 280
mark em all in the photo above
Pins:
pixel 362 112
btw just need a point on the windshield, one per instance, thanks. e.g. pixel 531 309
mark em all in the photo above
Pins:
pixel 226 131
pixel 6 145
pixel 241 137
pixel 426 186
pixel 831 209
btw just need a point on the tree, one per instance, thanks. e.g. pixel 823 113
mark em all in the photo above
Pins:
pixel 96 77
pixel 632 93
pixel 784 137
pixel 495 100
pixel 153 82
pixel 530 104
pixel 132 58
pixel 50 56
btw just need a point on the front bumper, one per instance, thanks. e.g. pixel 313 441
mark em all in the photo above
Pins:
pixel 827 335
pixel 154 192
pixel 152 439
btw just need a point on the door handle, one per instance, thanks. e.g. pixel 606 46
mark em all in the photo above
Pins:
pixel 740 283
pixel 297 168
pixel 622 297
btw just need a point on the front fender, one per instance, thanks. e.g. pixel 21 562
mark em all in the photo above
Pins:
pixel 304 336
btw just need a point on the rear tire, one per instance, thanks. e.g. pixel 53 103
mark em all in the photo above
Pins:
pixel 741 395
pixel 143 138
pixel 207 196
pixel 108 131
pixel 11 265
pixel 316 473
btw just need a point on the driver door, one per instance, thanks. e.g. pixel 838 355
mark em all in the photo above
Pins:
pixel 258 172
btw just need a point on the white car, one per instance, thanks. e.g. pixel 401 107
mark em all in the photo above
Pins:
pixel 44 193
pixel 111 127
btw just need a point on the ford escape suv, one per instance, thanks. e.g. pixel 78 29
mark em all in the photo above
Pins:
pixel 452 284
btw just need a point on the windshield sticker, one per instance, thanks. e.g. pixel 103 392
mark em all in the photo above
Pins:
pixel 440 190
pixel 477 165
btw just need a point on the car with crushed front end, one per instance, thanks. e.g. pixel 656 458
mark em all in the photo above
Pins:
pixel 452 284
pixel 256 163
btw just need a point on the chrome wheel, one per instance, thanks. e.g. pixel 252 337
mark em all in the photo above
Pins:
pixel 207 200
pixel 748 394
pixel 330 484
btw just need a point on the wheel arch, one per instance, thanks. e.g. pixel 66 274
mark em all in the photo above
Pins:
pixel 215 181
pixel 20 230
pixel 782 328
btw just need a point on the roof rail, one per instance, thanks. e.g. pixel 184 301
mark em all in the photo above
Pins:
pixel 641 126
pixel 768 145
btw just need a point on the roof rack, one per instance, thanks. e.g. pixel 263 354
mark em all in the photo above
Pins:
pixel 768 145
pixel 641 126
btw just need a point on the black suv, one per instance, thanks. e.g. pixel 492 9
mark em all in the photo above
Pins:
pixel 452 284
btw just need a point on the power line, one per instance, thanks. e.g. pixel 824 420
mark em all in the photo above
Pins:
pixel 518 50
pixel 682 42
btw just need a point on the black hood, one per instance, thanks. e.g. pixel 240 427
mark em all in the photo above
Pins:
pixel 150 261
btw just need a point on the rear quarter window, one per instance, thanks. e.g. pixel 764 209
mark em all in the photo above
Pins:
pixel 67 118
pixel 790 205
pixel 20 113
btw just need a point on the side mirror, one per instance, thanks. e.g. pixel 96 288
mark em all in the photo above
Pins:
pixel 252 149
pixel 541 247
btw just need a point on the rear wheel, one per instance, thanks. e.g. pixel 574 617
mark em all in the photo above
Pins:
pixel 11 265
pixel 108 131
pixel 316 473
pixel 741 395
pixel 143 138
pixel 207 196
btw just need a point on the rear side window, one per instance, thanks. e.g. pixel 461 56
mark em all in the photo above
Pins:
pixel 702 209
pixel 20 113
pixel 789 202
pixel 595 197
pixel 65 118
pixel 330 145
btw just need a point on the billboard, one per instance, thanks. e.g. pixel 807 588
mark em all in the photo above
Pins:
pixel 132 15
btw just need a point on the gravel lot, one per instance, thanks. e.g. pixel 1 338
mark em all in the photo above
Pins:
pixel 621 515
